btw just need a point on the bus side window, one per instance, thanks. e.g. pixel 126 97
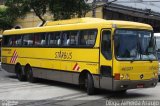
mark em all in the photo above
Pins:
pixel 65 38
pixel 88 37
pixel 18 40
pixel 73 38
pixel 91 37
pixel 83 37
pixel 40 39
pixel 54 39
pixel 106 44
pixel 28 40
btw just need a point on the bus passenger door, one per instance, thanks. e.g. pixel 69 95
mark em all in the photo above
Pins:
pixel 106 60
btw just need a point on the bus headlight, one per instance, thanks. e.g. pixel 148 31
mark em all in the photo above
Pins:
pixel 122 76
pixel 155 75
pixel 127 77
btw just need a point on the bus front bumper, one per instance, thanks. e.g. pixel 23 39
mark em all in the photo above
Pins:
pixel 119 85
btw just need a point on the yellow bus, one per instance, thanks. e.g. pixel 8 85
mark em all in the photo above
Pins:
pixel 91 52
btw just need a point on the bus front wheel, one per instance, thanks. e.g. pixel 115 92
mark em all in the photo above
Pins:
pixel 30 76
pixel 89 84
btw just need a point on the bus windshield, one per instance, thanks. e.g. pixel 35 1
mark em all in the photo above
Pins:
pixel 134 45
pixel 158 46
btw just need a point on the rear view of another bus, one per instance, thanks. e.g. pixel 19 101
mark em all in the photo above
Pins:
pixel 157 36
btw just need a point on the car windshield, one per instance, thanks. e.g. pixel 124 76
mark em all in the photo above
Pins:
pixel 134 45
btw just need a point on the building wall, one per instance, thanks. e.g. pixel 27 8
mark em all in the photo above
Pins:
pixel 98 13
pixel 31 20
pixel 1 2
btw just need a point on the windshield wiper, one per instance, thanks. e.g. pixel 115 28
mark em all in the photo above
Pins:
pixel 147 54
pixel 152 51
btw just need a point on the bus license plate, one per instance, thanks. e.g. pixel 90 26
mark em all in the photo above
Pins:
pixel 140 85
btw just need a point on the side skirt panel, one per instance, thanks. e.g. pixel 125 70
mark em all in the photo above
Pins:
pixel 9 68
pixel 57 75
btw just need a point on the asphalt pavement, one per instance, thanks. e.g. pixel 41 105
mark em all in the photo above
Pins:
pixel 51 93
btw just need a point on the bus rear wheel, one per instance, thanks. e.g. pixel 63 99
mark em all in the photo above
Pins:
pixel 19 73
pixel 30 76
pixel 89 84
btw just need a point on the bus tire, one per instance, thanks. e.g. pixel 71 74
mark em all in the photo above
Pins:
pixel 29 75
pixel 121 92
pixel 89 84
pixel 19 73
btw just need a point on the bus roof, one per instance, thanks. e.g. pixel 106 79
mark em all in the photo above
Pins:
pixel 79 23
pixel 74 21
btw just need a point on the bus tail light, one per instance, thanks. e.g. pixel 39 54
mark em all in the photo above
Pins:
pixel 117 76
